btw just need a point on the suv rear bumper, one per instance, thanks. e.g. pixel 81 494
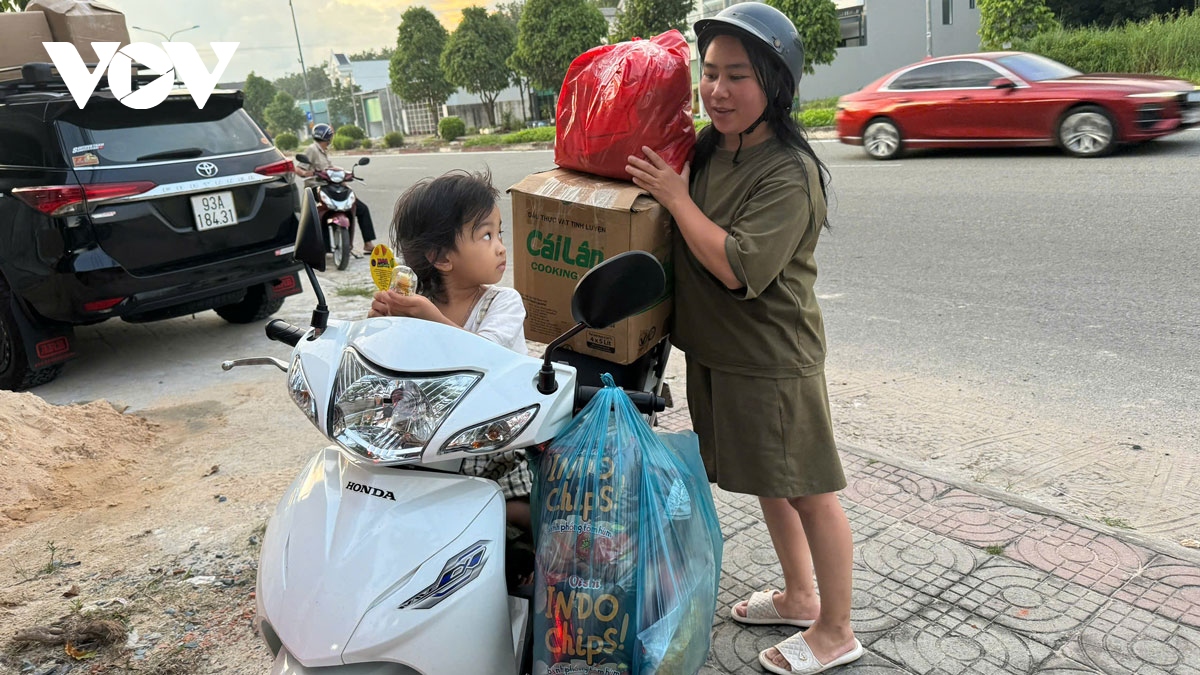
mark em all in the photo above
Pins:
pixel 66 297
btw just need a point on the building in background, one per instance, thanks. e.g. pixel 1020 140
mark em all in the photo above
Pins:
pixel 877 36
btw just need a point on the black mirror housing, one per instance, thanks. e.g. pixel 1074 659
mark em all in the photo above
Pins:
pixel 618 288
pixel 363 161
pixel 303 158
pixel 310 242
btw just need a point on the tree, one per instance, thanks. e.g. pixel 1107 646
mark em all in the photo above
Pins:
pixel 551 34
pixel 13 5
pixel 647 18
pixel 817 23
pixel 416 70
pixel 284 115
pixel 476 56
pixel 511 11
pixel 341 104
pixel 259 93
pixel 318 84
pixel 1077 13
pixel 1002 21
pixel 384 54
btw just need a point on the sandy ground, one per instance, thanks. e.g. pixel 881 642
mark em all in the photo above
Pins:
pixel 151 516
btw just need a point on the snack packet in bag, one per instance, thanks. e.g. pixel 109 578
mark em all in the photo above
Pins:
pixel 627 563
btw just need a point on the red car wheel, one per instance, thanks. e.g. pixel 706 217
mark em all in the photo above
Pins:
pixel 1087 131
pixel 881 140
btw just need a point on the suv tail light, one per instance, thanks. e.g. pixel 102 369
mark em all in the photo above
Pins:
pixel 58 200
pixel 281 168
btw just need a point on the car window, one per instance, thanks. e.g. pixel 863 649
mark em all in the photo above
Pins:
pixel 932 76
pixel 965 74
pixel 1034 68
pixel 119 135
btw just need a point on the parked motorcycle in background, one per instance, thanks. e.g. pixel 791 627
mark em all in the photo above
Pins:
pixel 335 208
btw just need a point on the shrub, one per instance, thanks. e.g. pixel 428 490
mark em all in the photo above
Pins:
pixel 393 139
pixel 535 135
pixel 287 141
pixel 816 117
pixel 341 142
pixel 351 131
pixel 472 131
pixel 367 144
pixel 450 128
pixel 1161 46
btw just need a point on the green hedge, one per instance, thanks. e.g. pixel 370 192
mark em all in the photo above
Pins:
pixel 534 135
pixel 287 141
pixel 393 139
pixel 351 131
pixel 816 117
pixel 341 142
pixel 1160 46
pixel 450 128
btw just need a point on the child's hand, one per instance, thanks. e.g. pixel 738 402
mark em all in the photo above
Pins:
pixel 391 303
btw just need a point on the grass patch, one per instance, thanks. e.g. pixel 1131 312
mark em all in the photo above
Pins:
pixel 1164 45
pixel 994 550
pixel 830 102
pixel 355 291
pixel 534 135
pixel 1116 522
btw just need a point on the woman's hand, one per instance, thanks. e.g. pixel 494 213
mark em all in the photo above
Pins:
pixel 655 176
pixel 391 303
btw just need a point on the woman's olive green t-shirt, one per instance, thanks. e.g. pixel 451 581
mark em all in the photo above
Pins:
pixel 771 204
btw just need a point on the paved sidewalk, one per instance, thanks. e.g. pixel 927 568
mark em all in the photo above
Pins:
pixel 948 580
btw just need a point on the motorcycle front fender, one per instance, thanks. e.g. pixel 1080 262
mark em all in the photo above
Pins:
pixel 340 219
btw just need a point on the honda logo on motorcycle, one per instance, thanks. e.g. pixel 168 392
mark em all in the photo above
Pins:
pixel 368 490
pixel 207 169
pixel 174 60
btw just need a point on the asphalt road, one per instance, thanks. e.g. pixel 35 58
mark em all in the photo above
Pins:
pixel 1065 285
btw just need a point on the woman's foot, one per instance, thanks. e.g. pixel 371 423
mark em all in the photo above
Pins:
pixel 812 653
pixel 792 608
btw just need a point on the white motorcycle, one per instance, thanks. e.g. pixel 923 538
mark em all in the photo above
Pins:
pixel 381 559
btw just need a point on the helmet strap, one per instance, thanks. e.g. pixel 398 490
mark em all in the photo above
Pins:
pixel 749 130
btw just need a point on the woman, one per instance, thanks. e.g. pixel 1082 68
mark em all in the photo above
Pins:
pixel 747 317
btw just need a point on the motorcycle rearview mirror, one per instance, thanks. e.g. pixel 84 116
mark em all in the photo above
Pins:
pixel 363 161
pixel 303 158
pixel 310 250
pixel 612 291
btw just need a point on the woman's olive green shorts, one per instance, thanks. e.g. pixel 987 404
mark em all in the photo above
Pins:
pixel 764 436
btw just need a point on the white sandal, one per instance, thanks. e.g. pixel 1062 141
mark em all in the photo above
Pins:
pixel 761 611
pixel 801 659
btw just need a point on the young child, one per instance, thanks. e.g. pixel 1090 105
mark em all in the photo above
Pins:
pixel 448 232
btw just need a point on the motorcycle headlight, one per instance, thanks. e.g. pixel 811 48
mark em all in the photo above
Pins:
pixel 326 200
pixel 350 201
pixel 390 419
pixel 300 391
pixel 491 435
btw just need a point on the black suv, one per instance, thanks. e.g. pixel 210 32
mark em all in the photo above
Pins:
pixel 108 211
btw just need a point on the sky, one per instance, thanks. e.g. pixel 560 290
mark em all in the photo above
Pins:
pixel 264 28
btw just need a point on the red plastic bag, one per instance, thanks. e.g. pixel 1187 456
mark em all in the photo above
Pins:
pixel 617 98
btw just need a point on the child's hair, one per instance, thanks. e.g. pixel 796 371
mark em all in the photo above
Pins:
pixel 429 219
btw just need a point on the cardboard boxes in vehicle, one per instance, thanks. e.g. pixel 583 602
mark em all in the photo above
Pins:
pixel 564 224
pixel 21 38
pixel 82 22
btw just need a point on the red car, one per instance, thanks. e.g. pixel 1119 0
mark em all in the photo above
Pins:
pixel 1004 99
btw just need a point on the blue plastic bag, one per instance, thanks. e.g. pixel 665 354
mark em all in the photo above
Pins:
pixel 628 547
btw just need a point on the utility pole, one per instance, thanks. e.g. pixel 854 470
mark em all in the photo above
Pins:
pixel 928 27
pixel 303 69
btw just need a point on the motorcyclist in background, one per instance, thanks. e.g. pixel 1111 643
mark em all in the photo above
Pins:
pixel 318 155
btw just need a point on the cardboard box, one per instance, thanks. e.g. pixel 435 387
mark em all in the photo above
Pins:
pixel 565 223
pixel 82 22
pixel 21 38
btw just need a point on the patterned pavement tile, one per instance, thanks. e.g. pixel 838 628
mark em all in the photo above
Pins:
pixel 1086 557
pixel 880 604
pixel 1057 665
pixel 869 664
pixel 736 512
pixel 947 640
pixel 867 523
pixel 1125 640
pixel 1031 602
pixel 918 558
pixel 1167 587
pixel 891 490
pixel 970 518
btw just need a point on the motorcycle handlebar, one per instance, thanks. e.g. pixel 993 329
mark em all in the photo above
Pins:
pixel 282 331
pixel 645 402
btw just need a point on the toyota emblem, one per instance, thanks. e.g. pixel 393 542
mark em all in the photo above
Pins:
pixel 206 169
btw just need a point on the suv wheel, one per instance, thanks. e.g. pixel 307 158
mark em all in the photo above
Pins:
pixel 15 373
pixel 256 306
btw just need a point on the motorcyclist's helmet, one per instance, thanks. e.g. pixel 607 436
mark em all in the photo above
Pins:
pixel 322 132
pixel 765 24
